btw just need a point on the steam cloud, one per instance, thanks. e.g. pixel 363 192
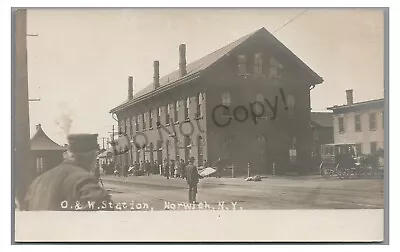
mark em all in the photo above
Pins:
pixel 65 119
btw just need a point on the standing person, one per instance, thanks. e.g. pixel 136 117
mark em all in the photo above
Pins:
pixel 71 183
pixel 172 168
pixel 166 168
pixel 192 178
pixel 219 166
pixel 141 167
pixel 148 167
pixel 177 169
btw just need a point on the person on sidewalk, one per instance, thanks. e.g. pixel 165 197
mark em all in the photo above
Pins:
pixel 166 168
pixel 148 167
pixel 192 178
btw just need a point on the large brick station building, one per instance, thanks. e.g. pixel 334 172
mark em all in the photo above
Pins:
pixel 246 102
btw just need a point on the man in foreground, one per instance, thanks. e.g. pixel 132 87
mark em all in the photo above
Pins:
pixel 70 185
pixel 192 178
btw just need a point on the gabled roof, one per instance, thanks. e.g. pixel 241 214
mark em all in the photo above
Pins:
pixel 322 119
pixel 377 103
pixel 40 141
pixel 196 67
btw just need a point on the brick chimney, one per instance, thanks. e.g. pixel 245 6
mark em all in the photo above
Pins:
pixel 182 60
pixel 130 88
pixel 349 96
pixel 156 74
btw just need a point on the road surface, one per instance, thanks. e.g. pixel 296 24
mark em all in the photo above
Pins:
pixel 158 193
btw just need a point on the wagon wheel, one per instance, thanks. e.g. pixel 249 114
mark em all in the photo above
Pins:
pixel 326 173
pixel 340 171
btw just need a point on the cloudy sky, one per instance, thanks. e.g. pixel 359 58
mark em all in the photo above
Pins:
pixel 80 62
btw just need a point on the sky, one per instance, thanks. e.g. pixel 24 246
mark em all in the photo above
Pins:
pixel 79 63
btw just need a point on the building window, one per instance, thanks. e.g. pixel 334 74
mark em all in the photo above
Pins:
pixel 144 121
pixel 39 165
pixel 242 65
pixel 128 127
pixel 259 107
pixel 167 119
pixel 373 146
pixel 150 118
pixel 176 111
pixel 158 116
pixel 291 105
pixel 372 121
pixel 274 68
pixel 341 125
pixel 136 124
pixel 357 121
pixel 199 99
pixel 226 101
pixel 258 63
pixel 187 104
pixel 132 123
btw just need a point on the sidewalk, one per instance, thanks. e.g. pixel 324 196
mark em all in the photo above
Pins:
pixel 158 179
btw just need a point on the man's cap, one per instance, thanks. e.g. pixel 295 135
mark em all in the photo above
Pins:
pixel 81 143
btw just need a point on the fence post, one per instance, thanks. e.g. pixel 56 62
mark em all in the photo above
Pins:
pixel 248 169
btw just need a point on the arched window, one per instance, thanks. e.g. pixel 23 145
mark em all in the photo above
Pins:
pixel 291 105
pixel 167 120
pixel 258 63
pixel 176 110
pixel 258 106
pixel 128 127
pixel 200 153
pixel 187 104
pixel 242 64
pixel 226 99
pixel 199 100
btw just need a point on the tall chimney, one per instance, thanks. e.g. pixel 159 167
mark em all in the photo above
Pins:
pixel 156 75
pixel 182 60
pixel 130 88
pixel 349 96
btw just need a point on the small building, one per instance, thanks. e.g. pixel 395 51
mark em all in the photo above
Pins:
pixel 248 102
pixel 45 152
pixel 322 127
pixel 361 123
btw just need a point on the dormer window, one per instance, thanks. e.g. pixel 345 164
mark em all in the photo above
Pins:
pixel 242 69
pixel 258 63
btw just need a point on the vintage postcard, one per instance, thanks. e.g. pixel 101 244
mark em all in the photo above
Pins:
pixel 199 125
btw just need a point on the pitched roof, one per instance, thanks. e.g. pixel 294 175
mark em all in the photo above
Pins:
pixel 322 119
pixel 40 141
pixel 205 62
pixel 377 103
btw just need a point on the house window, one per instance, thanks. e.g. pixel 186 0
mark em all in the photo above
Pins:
pixel 373 146
pixel 291 105
pixel 132 123
pixel 226 101
pixel 167 118
pixel 274 68
pixel 357 121
pixel 259 107
pixel 242 65
pixel 372 121
pixel 359 149
pixel 341 125
pixel 199 112
pixel 150 119
pixel 258 63
pixel 187 103
pixel 128 127
pixel 176 110
pixel 144 121
pixel 136 123
pixel 158 116
pixel 39 165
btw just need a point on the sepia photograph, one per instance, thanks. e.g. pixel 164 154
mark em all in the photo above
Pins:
pixel 263 117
